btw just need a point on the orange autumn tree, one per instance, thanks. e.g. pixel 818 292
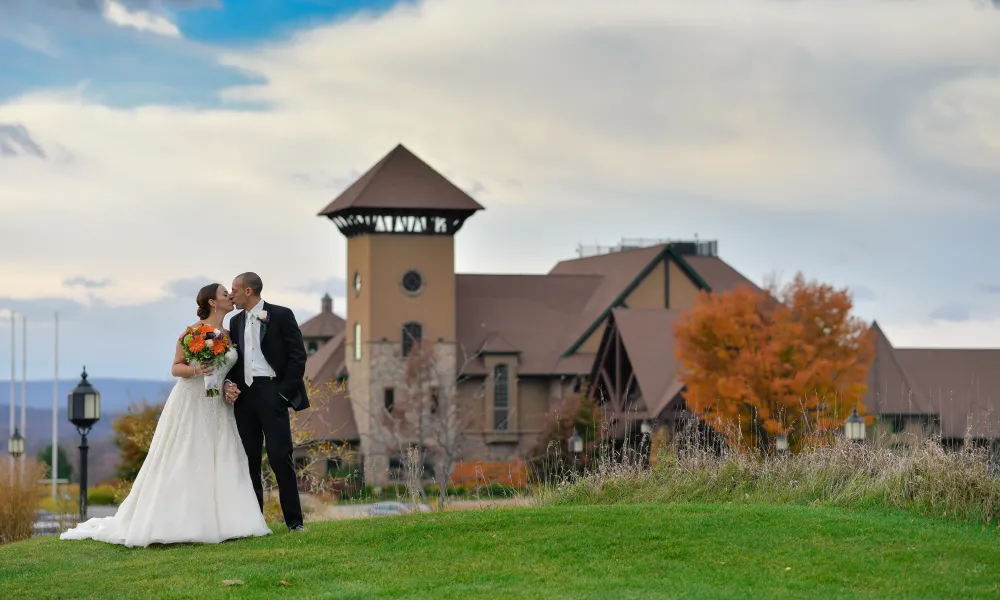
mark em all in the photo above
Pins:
pixel 789 361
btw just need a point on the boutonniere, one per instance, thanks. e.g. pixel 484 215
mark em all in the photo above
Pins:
pixel 264 319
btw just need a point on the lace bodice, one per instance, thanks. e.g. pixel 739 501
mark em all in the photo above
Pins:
pixel 228 360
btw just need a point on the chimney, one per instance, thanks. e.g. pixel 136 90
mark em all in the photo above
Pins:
pixel 327 305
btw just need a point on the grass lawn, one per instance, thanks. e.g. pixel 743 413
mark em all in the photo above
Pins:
pixel 651 551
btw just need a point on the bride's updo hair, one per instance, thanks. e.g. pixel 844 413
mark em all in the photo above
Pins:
pixel 207 293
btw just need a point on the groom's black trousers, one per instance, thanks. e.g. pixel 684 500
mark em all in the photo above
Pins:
pixel 262 416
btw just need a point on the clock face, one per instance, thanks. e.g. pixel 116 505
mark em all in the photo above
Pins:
pixel 357 282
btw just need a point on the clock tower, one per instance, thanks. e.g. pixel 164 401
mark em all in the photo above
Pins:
pixel 399 219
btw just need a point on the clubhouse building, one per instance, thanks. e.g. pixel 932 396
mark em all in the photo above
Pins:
pixel 512 348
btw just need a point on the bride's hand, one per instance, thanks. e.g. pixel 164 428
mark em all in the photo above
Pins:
pixel 203 369
pixel 232 392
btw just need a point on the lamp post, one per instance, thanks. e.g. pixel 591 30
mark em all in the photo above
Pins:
pixel 575 447
pixel 15 445
pixel 854 427
pixel 83 410
pixel 781 444
pixel 646 446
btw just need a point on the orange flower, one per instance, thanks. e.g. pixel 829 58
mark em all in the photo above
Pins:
pixel 197 344
pixel 218 348
pixel 206 329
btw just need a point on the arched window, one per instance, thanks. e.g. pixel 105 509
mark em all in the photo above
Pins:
pixel 413 333
pixel 501 397
pixel 357 341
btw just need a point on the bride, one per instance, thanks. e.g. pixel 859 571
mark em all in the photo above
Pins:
pixel 194 485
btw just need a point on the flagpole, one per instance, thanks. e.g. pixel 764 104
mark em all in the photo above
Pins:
pixel 24 387
pixel 13 390
pixel 55 417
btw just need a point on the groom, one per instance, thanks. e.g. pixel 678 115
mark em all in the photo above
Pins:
pixel 267 378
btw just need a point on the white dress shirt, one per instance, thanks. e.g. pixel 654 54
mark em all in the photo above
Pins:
pixel 254 363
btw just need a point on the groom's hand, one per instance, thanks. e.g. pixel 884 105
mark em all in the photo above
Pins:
pixel 231 391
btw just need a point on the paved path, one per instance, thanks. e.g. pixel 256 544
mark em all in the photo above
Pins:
pixel 101 511
pixel 336 512
pixel 48 523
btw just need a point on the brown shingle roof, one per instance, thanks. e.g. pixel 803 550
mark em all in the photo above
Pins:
pixel 963 386
pixel 330 420
pixel 402 181
pixel 580 363
pixel 534 314
pixel 331 416
pixel 327 362
pixel 323 325
pixel 617 271
pixel 717 273
pixel 496 344
pixel 648 337
pixel 891 388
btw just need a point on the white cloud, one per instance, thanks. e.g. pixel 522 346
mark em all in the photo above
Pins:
pixel 959 123
pixel 142 20
pixel 771 94
pixel 558 106
pixel 945 334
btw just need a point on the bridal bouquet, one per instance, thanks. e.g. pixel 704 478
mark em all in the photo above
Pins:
pixel 208 346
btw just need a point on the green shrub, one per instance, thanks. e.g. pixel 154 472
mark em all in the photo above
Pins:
pixel 101 495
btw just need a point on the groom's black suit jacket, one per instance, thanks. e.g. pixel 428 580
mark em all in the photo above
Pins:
pixel 281 343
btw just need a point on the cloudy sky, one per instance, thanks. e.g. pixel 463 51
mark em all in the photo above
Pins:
pixel 147 146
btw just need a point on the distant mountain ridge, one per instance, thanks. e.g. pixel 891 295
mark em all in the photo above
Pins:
pixel 40 428
pixel 116 394
pixel 104 454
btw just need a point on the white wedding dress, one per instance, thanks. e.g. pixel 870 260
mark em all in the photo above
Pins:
pixel 194 485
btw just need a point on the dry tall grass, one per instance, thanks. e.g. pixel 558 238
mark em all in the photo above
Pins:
pixel 18 499
pixel 924 479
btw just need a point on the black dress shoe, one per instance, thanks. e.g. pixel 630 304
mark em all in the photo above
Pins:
pixel 297 528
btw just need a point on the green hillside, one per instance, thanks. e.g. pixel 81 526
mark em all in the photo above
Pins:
pixel 639 551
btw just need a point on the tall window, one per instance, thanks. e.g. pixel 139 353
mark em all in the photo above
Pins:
pixel 313 347
pixel 412 334
pixel 389 398
pixel 501 398
pixel 357 341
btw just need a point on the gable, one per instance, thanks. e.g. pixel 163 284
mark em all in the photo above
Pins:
pixel 657 273
pixel 651 289
pixel 683 291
